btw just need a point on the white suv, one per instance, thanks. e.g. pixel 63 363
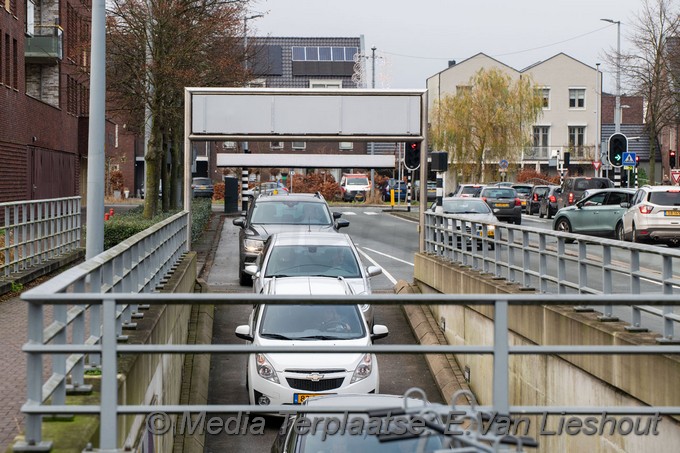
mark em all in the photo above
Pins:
pixel 277 379
pixel 653 215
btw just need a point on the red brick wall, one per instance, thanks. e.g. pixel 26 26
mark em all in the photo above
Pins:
pixel 633 114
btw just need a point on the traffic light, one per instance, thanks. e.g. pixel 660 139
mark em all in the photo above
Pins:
pixel 567 157
pixel 637 160
pixel 671 159
pixel 618 144
pixel 412 156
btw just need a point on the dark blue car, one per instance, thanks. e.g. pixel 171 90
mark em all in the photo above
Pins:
pixel 399 190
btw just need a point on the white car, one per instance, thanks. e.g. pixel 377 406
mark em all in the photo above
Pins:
pixel 653 215
pixel 308 254
pixel 291 378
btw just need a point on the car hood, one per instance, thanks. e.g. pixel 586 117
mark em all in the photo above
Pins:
pixel 264 231
pixel 316 362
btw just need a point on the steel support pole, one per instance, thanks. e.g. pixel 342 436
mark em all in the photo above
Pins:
pixel 501 361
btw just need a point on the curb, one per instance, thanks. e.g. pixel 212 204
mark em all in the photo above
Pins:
pixel 444 368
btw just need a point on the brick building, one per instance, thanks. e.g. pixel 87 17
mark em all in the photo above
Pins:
pixel 44 96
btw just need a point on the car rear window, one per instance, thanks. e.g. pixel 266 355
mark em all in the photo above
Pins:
pixel 669 198
pixel 524 190
pixel 585 184
pixel 500 193
pixel 471 190
pixel 290 213
pixel 357 181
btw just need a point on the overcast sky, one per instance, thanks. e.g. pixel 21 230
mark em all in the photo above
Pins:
pixel 415 39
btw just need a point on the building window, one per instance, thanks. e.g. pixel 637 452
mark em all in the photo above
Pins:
pixel 346 145
pixel 325 83
pixel 545 95
pixel 316 53
pixel 15 65
pixel 30 18
pixel 576 136
pixel 257 83
pixel 541 136
pixel 1 60
pixel 276 145
pixel 228 145
pixel 577 98
pixel 7 59
pixel 299 145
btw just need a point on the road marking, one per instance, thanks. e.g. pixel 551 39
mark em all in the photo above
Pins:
pixel 385 273
pixel 349 213
pixel 371 213
pixel 389 256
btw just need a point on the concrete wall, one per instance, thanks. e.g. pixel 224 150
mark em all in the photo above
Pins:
pixel 588 380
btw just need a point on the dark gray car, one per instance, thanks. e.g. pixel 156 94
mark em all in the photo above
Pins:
pixel 504 203
pixel 269 214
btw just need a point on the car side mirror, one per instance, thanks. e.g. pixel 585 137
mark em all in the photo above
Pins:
pixel 243 332
pixel 251 269
pixel 337 215
pixel 239 222
pixel 374 270
pixel 379 331
pixel 341 223
pixel 625 204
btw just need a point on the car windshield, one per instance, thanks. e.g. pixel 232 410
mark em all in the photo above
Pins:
pixel 362 438
pixel 312 260
pixel 357 181
pixel 470 206
pixel 312 322
pixel 287 212
pixel 669 198
pixel 523 190
pixel 584 184
pixel 203 181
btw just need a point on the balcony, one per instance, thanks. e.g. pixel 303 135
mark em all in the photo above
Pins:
pixel 578 153
pixel 45 46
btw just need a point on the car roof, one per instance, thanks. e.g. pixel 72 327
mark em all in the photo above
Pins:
pixel 308 286
pixel 318 198
pixel 330 238
pixel 611 189
pixel 465 199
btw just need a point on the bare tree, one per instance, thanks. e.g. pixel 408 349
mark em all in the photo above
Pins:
pixel 647 69
pixel 155 49
pixel 486 121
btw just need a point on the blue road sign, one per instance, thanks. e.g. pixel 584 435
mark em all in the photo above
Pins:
pixel 503 164
pixel 628 159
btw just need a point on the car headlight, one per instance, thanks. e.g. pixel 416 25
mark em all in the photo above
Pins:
pixel 253 245
pixel 364 369
pixel 265 369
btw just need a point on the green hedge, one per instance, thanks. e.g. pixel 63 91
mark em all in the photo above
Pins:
pixel 124 225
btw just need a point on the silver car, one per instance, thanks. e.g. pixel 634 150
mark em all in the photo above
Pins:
pixel 307 254
pixel 653 215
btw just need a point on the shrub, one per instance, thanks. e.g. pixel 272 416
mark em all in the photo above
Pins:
pixel 535 177
pixel 201 209
pixel 218 194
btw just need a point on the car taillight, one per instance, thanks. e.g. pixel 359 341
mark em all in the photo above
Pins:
pixel 484 198
pixel 535 197
pixel 518 202
pixel 552 199
pixel 571 197
pixel 646 209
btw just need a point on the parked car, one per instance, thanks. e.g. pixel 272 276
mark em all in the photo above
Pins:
pixel 277 379
pixel 535 197
pixel 523 192
pixel 653 215
pixel 268 188
pixel 399 187
pixel 392 422
pixel 202 187
pixel 305 253
pixel 573 188
pixel 467 190
pixel 354 187
pixel 548 204
pixel 474 209
pixel 269 214
pixel 431 190
pixel 504 203
pixel 598 214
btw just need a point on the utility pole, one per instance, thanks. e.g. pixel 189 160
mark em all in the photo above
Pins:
pixel 617 108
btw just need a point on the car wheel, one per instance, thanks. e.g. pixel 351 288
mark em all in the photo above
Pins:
pixel 672 244
pixel 564 226
pixel 245 279
pixel 634 236
pixel 620 235
pixel 518 221
pixel 550 215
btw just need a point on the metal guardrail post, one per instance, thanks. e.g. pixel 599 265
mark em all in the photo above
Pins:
pixel 511 254
pixel 109 391
pixel 526 260
pixel 501 353
pixel 607 286
pixel 636 313
pixel 668 324
pixel 582 275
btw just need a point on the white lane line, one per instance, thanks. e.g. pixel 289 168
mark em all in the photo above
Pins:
pixel 371 213
pixel 389 256
pixel 349 213
pixel 385 273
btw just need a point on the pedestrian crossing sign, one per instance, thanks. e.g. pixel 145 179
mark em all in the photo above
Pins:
pixel 629 159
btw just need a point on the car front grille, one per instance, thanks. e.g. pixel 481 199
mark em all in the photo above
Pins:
pixel 315 386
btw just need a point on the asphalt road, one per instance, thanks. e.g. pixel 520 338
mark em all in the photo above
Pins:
pixel 397 372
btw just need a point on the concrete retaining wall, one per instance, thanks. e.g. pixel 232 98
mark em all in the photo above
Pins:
pixel 588 380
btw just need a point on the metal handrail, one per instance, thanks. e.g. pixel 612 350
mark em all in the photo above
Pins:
pixel 542 259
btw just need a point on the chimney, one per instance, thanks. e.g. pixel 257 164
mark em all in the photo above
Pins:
pixel 452 63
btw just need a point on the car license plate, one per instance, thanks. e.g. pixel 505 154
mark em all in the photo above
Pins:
pixel 202 187
pixel 502 205
pixel 524 203
pixel 673 213
pixel 299 398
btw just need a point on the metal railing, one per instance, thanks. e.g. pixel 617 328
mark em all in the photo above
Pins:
pixel 38 231
pixel 137 265
pixel 40 344
pixel 578 153
pixel 547 261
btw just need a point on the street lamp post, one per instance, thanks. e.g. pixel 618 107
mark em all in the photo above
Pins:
pixel 617 108
pixel 245 38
